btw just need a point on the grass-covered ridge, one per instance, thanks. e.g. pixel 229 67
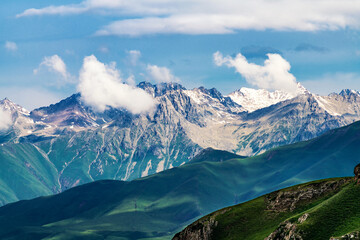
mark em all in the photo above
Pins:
pixel 333 213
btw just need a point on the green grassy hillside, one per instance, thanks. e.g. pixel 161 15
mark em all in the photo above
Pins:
pixel 212 155
pixel 161 204
pixel 25 173
pixel 314 216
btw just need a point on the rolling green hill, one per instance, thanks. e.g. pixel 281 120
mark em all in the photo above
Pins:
pixel 160 205
pixel 312 211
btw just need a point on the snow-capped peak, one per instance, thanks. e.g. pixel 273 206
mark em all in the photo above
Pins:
pixel 13 108
pixel 254 99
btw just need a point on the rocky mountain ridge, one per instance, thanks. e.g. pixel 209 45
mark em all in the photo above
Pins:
pixel 83 145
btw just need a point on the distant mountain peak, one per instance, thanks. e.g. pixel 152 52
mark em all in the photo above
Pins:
pixel 12 107
pixel 254 99
pixel 160 88
pixel 346 92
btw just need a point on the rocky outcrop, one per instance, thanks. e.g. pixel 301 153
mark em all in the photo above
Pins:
pixel 201 229
pixel 283 201
pixel 357 174
pixel 288 230
pixel 349 236
pixel 285 231
pixel 289 200
pixel 197 231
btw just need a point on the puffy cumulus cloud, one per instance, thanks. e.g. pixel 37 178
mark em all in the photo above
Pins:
pixel 273 75
pixel 54 64
pixel 212 16
pixel 11 46
pixel 133 57
pixel 161 74
pixel 5 119
pixel 101 86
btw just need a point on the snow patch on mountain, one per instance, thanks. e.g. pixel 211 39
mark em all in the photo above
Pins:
pixel 254 99
pixel 161 166
pixel 17 118
pixel 146 171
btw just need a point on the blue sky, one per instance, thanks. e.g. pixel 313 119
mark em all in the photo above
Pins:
pixel 175 41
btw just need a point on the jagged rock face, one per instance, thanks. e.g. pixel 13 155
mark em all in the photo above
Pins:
pixel 68 112
pixel 286 231
pixel 199 230
pixel 357 173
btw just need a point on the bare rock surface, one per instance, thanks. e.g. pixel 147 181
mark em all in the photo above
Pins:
pixel 283 201
pixel 200 230
pixel 352 236
pixel 357 173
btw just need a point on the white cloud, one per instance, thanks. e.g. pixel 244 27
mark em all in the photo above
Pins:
pixel 54 64
pixel 131 80
pixel 273 75
pixel 214 17
pixel 333 82
pixel 100 86
pixel 161 74
pixel 53 10
pixel 133 57
pixel 113 6
pixel 5 119
pixel 11 46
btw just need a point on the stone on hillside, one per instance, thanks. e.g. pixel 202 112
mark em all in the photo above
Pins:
pixel 357 173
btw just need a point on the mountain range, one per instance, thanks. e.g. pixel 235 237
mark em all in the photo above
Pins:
pixel 159 205
pixel 54 148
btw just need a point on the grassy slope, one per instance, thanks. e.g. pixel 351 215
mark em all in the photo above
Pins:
pixel 160 204
pixel 25 173
pixel 212 155
pixel 334 214
pixel 78 158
